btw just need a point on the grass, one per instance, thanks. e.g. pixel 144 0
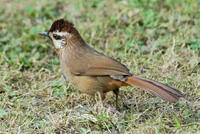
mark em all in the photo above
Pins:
pixel 157 39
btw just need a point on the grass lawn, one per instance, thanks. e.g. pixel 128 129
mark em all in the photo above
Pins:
pixel 156 39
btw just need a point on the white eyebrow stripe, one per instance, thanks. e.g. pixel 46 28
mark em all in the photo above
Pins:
pixel 62 33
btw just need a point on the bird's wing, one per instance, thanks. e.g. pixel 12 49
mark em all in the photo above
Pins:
pixel 99 65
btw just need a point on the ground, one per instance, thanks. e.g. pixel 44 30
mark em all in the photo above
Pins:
pixel 156 39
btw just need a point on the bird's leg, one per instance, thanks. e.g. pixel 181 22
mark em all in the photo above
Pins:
pixel 116 92
pixel 64 79
pixel 101 97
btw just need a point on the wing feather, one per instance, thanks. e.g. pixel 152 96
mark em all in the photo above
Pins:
pixel 99 65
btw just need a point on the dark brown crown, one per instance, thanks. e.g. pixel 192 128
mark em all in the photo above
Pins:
pixel 62 25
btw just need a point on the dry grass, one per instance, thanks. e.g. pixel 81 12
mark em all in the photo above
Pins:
pixel 155 39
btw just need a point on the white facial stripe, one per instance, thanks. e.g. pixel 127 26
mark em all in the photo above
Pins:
pixel 62 33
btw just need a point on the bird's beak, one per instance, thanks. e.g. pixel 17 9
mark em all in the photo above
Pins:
pixel 46 34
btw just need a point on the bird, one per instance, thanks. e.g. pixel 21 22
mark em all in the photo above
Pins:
pixel 93 72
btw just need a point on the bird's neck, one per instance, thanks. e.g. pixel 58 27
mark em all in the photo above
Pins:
pixel 74 48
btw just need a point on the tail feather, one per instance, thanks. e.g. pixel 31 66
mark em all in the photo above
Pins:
pixel 158 89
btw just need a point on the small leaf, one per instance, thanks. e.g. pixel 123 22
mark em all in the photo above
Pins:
pixel 198 112
pixel 2 113
pixel 6 89
pixel 12 94
pixel 83 131
pixel 29 10
pixel 14 113
pixel 178 125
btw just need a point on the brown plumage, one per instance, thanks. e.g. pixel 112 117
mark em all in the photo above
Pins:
pixel 92 72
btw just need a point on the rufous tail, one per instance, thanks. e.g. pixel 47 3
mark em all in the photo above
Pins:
pixel 156 88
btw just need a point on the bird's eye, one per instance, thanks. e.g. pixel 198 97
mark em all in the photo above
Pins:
pixel 57 37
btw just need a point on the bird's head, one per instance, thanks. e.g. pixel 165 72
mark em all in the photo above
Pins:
pixel 61 32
